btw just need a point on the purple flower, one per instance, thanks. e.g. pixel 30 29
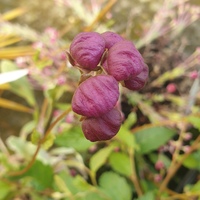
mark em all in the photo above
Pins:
pixel 138 82
pixel 95 96
pixel 102 128
pixel 124 61
pixel 111 38
pixel 87 49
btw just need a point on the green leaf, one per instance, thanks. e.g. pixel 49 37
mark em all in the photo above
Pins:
pixel 21 147
pixel 130 121
pixel 155 157
pixel 99 158
pixel 126 137
pixel 35 137
pixel 120 162
pixel 5 190
pixel 65 182
pixel 152 138
pixel 195 121
pixel 61 185
pixel 27 129
pixel 49 141
pixel 192 161
pixel 21 86
pixel 74 138
pixel 91 195
pixel 147 196
pixel 115 186
pixel 41 174
pixel 26 149
pixel 194 189
pixel 81 184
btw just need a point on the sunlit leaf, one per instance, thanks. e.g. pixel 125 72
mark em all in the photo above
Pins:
pixel 14 106
pixel 14 52
pixel 27 129
pixel 13 13
pixel 115 186
pixel 120 162
pixel 21 86
pixel 10 40
pixel 99 158
pixel 35 137
pixel 12 76
pixel 6 188
pixel 152 138
pixel 25 149
pixel 5 86
pixel 126 137
pixel 49 141
pixel 169 75
pixel 195 121
pixel 192 161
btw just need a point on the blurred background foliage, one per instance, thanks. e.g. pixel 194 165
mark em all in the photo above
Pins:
pixel 43 153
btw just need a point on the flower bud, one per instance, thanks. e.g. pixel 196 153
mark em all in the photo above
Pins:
pixel 138 82
pixel 95 96
pixel 111 38
pixel 87 49
pixel 102 128
pixel 124 60
pixel 171 88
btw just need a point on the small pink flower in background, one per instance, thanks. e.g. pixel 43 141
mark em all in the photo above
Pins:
pixel 69 118
pixel 21 61
pixel 187 136
pixel 159 165
pixel 193 74
pixel 52 33
pixel 61 80
pixel 116 149
pixel 157 178
pixel 63 56
pixel 38 45
pixel 186 148
pixel 73 172
pixel 171 88
pixel 56 113
pixel 93 149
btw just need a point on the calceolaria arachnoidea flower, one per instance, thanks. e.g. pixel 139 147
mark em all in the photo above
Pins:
pixel 107 60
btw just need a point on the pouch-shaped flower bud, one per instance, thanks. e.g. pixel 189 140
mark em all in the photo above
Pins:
pixel 102 128
pixel 124 60
pixel 87 49
pixel 111 38
pixel 138 82
pixel 95 96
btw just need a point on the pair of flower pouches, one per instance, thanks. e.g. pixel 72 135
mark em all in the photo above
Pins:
pixel 107 59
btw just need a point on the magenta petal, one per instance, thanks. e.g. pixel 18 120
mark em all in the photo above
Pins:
pixel 102 128
pixel 111 38
pixel 138 82
pixel 87 49
pixel 124 60
pixel 95 96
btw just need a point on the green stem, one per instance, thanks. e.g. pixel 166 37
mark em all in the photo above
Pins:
pixel 134 177
pixel 17 173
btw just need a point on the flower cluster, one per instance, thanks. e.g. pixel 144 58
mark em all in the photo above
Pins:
pixel 108 60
